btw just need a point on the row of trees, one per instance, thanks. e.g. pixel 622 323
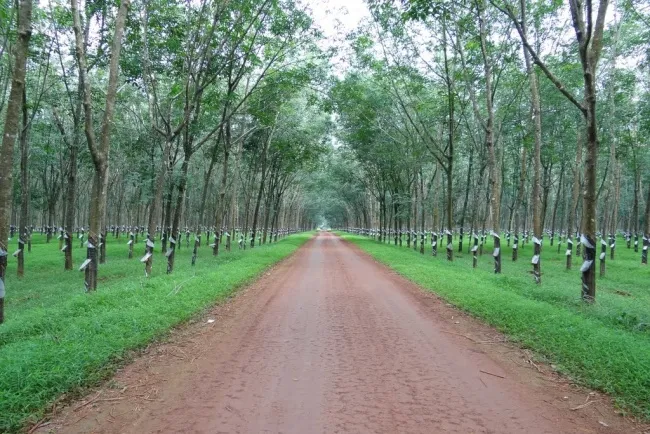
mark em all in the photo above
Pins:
pixel 498 117
pixel 202 117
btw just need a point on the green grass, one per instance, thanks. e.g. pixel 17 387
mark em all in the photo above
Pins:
pixel 57 339
pixel 605 346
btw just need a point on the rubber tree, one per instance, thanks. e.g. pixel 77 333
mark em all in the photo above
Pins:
pixel 99 149
pixel 72 141
pixel 537 163
pixel 23 226
pixel 10 135
pixel 493 169
pixel 646 232
pixel 573 205
pixel 29 112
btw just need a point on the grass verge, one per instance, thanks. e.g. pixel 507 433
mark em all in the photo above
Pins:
pixel 56 339
pixel 604 346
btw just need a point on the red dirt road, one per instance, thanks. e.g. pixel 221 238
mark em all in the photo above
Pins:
pixel 331 342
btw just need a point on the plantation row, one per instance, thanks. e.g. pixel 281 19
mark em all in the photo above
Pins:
pixel 401 237
pixel 169 244
pixel 243 240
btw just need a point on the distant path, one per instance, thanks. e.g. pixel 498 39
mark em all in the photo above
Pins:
pixel 331 342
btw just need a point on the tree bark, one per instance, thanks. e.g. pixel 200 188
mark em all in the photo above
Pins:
pixel 466 199
pixel 167 216
pixel 517 205
pixel 178 210
pixel 206 184
pixel 494 180
pixel 221 200
pixel 575 192
pixel 537 133
pixel 23 227
pixel 267 214
pixel 556 205
pixel 635 203
pixel 646 237
pixel 265 150
pixel 234 199
pixel 70 201
pixel 590 192
pixel 449 169
pixel 422 232
pixel 154 209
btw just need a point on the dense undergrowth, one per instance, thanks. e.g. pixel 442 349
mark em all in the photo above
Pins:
pixel 605 346
pixel 57 339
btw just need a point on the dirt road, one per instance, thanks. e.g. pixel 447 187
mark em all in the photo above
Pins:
pixel 331 342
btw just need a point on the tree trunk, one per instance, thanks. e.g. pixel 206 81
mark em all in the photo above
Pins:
pixel 70 202
pixel 422 232
pixel 10 133
pixel 102 235
pixel 614 222
pixel 558 199
pixel 646 237
pixel 450 226
pixel 415 212
pixel 99 151
pixel 537 131
pixel 97 211
pixel 589 198
pixel 206 185
pixel 450 146
pixel 397 233
pixel 517 205
pixel 158 188
pixel 167 217
pixel 178 210
pixel 635 204
pixel 234 214
pixel 466 199
pixel 221 200
pixel 267 209
pixel 267 143
pixel 494 179
pixel 274 221
pixel 23 229
pixel 575 192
